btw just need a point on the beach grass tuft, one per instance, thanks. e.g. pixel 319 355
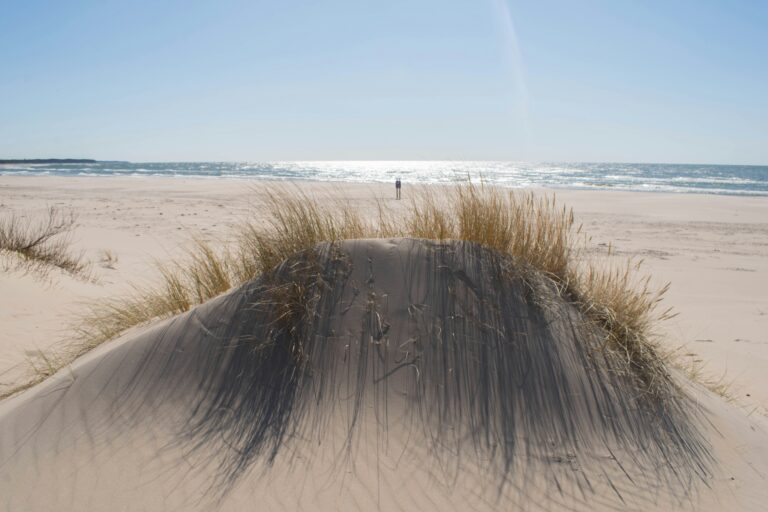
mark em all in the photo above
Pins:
pixel 201 275
pixel 40 244
pixel 539 233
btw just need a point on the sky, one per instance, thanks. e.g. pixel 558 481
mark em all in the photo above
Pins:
pixel 682 81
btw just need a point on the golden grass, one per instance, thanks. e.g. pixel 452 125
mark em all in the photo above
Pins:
pixel 40 244
pixel 296 223
pixel 539 233
pixel 201 275
pixel 535 231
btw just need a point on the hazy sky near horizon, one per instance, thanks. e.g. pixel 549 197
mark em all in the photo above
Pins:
pixel 549 80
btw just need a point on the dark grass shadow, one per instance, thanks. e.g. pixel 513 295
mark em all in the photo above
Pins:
pixel 479 357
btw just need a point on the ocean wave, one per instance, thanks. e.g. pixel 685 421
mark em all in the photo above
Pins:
pixel 714 179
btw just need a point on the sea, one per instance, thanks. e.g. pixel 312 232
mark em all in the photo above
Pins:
pixel 744 180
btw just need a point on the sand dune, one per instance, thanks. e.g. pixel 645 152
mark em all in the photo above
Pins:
pixel 711 248
pixel 398 374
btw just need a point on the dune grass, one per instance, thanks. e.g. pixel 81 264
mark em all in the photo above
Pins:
pixel 202 274
pixel 539 233
pixel 535 231
pixel 40 244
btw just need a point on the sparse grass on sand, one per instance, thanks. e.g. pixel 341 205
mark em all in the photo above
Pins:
pixel 40 244
pixel 108 259
pixel 535 231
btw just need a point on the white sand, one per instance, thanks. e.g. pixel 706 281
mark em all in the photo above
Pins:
pixel 714 250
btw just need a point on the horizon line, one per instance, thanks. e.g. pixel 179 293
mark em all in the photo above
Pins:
pixel 4 161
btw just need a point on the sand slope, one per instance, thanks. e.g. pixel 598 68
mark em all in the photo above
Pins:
pixel 413 376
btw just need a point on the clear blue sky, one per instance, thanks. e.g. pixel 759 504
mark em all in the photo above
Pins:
pixel 547 80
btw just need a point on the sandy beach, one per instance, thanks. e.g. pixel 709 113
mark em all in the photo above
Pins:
pixel 417 256
pixel 712 249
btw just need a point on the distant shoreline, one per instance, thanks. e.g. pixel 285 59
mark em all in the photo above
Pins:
pixel 51 161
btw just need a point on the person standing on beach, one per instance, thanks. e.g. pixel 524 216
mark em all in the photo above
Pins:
pixel 397 188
